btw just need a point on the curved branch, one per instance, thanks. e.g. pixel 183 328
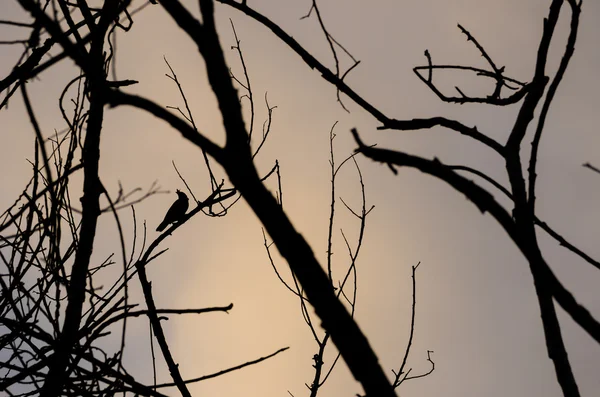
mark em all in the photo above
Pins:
pixel 419 124
pixel 485 202
pixel 543 225
pixel 116 97
pixel 570 48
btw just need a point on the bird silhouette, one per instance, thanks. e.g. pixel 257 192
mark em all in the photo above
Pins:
pixel 176 212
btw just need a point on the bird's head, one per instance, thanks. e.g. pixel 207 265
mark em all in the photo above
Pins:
pixel 181 195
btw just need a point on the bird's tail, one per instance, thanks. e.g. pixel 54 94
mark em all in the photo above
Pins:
pixel 162 226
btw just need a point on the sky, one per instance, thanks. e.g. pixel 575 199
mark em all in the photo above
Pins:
pixel 476 306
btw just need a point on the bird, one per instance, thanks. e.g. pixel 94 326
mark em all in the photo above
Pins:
pixel 176 212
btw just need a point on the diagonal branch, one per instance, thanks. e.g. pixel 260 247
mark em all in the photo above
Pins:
pixel 546 283
pixel 420 124
pixel 222 372
pixel 338 82
pixel 116 97
pixel 237 162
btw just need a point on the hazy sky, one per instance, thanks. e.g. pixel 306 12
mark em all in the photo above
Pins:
pixel 476 304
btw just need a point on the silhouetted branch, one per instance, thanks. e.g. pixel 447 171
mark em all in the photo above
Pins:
pixel 331 41
pixel 407 377
pixel 227 370
pixel 398 375
pixel 158 331
pixel 189 117
pixel 419 124
pixel 591 167
pixel 564 63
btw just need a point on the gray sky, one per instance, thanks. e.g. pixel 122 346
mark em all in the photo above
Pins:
pixel 476 305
